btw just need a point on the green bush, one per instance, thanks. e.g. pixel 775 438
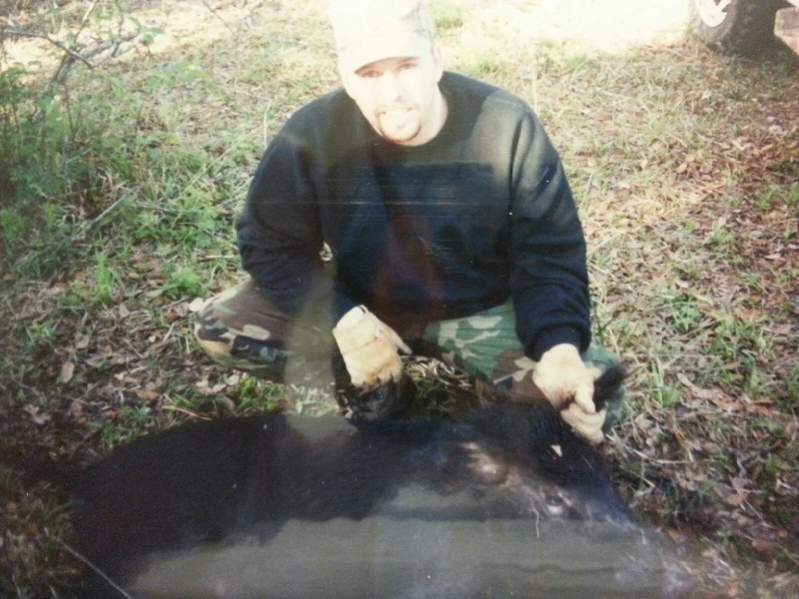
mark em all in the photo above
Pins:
pixel 50 158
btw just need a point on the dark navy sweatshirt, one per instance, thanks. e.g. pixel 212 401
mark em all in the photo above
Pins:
pixel 481 213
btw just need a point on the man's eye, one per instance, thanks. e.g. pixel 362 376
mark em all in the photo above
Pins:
pixel 407 65
pixel 370 74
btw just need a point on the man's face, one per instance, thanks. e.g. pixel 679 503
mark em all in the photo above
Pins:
pixel 400 97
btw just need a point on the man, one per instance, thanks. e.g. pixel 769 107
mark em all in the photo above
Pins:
pixel 452 228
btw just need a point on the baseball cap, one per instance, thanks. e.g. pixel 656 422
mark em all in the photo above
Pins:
pixel 369 30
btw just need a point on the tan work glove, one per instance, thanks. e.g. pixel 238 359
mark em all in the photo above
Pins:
pixel 369 348
pixel 567 383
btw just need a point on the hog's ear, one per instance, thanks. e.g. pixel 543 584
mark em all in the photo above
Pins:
pixel 607 384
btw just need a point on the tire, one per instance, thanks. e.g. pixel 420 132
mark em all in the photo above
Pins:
pixel 744 27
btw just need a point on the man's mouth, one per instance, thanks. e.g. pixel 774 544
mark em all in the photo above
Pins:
pixel 394 112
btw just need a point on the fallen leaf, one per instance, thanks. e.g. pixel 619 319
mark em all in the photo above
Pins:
pixel 37 415
pixel 676 535
pixel 204 387
pixel 740 483
pixel 67 372
pixel 735 500
pixel 711 553
pixel 98 359
pixel 696 475
pixel 727 404
pixel 765 546
pixel 76 409
pixel 196 304
pixel 234 379
pixel 705 393
pixel 56 289
pixel 148 394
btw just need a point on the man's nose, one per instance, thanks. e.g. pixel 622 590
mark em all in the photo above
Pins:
pixel 390 87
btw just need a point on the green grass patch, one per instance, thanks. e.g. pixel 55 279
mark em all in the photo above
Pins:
pixel 122 426
pixel 185 283
pixel 105 279
pixel 41 334
pixel 682 311
pixel 447 17
pixel 689 269
pixel 15 230
pixel 250 396
pixel 665 395
pixel 253 396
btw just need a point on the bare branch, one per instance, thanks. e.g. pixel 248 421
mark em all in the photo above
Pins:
pixel 44 36
pixel 95 223
pixel 66 62
pixel 86 16
pixel 217 15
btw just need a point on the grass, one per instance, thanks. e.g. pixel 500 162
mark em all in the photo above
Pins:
pixel 687 197
pixel 122 426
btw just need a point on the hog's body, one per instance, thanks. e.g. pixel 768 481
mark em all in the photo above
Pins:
pixel 507 503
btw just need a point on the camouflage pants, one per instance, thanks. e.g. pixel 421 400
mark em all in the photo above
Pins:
pixel 241 329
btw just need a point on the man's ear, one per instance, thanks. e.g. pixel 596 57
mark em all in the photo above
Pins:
pixel 438 61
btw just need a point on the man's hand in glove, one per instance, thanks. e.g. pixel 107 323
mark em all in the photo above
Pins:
pixel 369 348
pixel 568 383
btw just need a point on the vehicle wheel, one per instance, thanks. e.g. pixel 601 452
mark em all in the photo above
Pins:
pixel 736 26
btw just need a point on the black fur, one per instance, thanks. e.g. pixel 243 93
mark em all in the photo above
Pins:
pixel 203 482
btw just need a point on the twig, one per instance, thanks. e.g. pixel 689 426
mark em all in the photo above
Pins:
pixel 85 19
pixel 218 257
pixel 186 412
pixel 44 36
pixel 132 348
pixel 602 243
pixel 105 577
pixel 95 222
pixel 216 14
pixel 168 334
pixel 652 460
pixel 68 59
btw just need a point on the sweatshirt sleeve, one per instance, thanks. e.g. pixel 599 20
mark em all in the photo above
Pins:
pixel 549 280
pixel 279 234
